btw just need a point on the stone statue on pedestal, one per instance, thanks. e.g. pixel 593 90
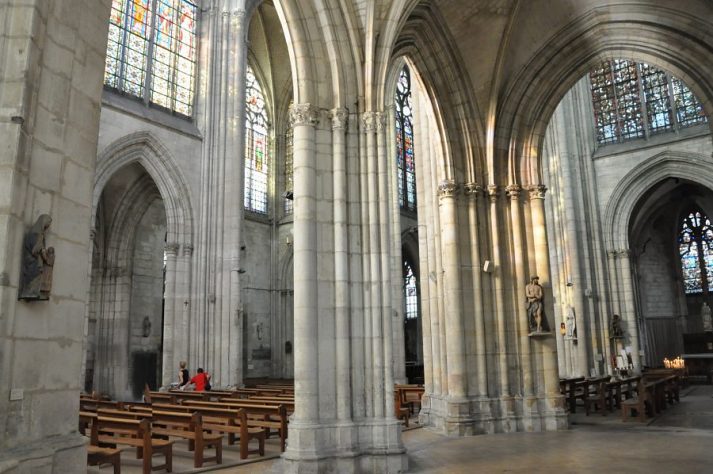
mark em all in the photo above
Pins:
pixel 535 308
pixel 616 331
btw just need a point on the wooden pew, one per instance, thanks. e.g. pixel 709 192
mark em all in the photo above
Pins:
pixel 105 430
pixel 258 415
pixel 598 397
pixel 188 426
pixel 96 455
pixel 410 396
pixel 229 421
pixel 568 387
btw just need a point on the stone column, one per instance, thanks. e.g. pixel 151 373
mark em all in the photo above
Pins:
pixel 499 298
pixel 169 365
pixel 629 306
pixel 341 264
pixel 548 346
pixel 304 118
pixel 217 318
pixel 472 191
pixel 519 254
pixel 455 344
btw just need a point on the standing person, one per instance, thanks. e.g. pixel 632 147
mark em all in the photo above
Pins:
pixel 183 375
pixel 201 381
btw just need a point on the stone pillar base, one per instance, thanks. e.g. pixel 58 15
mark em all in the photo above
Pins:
pixel 493 415
pixel 51 455
pixel 363 446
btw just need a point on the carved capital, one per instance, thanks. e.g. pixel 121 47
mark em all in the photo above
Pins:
pixel 380 119
pixel 187 250
pixel 92 234
pixel 493 193
pixel 368 121
pixel 171 249
pixel 304 114
pixel 537 191
pixel 447 189
pixel 472 190
pixel 340 118
pixel 612 254
pixel 513 191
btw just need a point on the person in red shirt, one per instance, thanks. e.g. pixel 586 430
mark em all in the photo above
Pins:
pixel 201 381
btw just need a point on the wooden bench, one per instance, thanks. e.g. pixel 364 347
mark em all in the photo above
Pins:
pixel 568 388
pixel 188 426
pixel 410 396
pixel 105 431
pixel 229 421
pixel 96 455
pixel 599 399
pixel 257 415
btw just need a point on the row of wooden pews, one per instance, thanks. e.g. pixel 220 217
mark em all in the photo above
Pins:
pixel 633 395
pixel 407 398
pixel 247 416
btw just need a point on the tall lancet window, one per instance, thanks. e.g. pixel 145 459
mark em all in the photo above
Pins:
pixel 695 246
pixel 410 292
pixel 256 148
pixel 151 52
pixel 405 163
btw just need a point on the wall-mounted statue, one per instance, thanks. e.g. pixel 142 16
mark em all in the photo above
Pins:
pixel 37 262
pixel 616 331
pixel 146 327
pixel 535 306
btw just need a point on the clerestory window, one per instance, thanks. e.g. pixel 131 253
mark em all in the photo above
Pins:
pixel 636 100
pixel 151 52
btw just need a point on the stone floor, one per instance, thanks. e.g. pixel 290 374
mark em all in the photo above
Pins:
pixel 678 441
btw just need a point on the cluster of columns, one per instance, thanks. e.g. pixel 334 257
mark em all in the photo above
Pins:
pixel 486 373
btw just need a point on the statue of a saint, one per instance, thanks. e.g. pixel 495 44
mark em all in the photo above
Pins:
pixel 571 323
pixel 37 262
pixel 535 307
pixel 146 327
pixel 616 330
pixel 706 317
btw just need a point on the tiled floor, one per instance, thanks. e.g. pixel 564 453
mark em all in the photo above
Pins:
pixel 678 441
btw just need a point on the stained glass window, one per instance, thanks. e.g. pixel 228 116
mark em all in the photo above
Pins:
pixel 256 148
pixel 289 156
pixel 695 246
pixel 410 292
pixel 633 100
pixel 151 52
pixel 406 166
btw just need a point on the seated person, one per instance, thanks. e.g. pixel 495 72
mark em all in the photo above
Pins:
pixel 201 381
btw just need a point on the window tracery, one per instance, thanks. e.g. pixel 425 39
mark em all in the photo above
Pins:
pixel 256 147
pixel 289 165
pixel 634 100
pixel 405 160
pixel 151 52
pixel 410 292
pixel 695 246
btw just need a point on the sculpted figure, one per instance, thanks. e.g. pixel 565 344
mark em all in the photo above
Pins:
pixel 535 308
pixel 706 317
pixel 616 330
pixel 37 262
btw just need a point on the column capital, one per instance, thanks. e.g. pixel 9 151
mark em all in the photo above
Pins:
pixel 380 121
pixel 625 253
pixel 493 193
pixel 304 114
pixel 447 189
pixel 537 191
pixel 340 118
pixel 171 249
pixel 187 250
pixel 612 254
pixel 371 121
pixel 472 190
pixel 92 234
pixel 513 191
